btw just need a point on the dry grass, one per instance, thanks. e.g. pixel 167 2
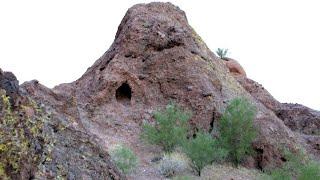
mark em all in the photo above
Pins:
pixel 216 172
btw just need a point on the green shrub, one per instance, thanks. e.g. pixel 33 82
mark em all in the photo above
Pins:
pixel 170 129
pixel 173 164
pixel 222 53
pixel 124 158
pixel 297 167
pixel 236 129
pixel 203 150
pixel 311 171
pixel 278 174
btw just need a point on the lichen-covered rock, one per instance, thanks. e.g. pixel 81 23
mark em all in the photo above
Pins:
pixel 10 84
pixel 36 143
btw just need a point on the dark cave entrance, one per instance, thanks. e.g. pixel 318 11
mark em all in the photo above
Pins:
pixel 123 94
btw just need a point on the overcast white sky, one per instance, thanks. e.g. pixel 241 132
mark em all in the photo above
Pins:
pixel 276 41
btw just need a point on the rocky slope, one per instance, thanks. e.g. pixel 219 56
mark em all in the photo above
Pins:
pixel 156 58
pixel 37 142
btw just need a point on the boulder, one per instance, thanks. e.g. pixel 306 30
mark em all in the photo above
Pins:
pixel 234 67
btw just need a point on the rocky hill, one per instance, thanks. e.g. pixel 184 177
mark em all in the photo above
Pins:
pixel 156 58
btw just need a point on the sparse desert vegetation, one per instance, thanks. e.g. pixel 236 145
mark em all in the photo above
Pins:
pixel 297 166
pixel 234 143
pixel 221 122
pixel 173 164
pixel 236 129
pixel 170 128
pixel 203 150
pixel 222 53
pixel 124 158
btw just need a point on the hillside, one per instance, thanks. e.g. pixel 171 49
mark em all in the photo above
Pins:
pixel 156 58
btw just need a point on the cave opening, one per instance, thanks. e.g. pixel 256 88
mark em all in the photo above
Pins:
pixel 123 94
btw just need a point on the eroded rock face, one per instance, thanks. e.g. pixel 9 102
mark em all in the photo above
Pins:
pixel 301 119
pixel 48 145
pixel 156 58
pixel 259 93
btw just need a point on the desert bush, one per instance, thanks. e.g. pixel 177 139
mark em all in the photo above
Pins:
pixel 173 164
pixel 124 158
pixel 203 150
pixel 170 129
pixel 297 166
pixel 278 174
pixel 222 53
pixel 310 171
pixel 236 129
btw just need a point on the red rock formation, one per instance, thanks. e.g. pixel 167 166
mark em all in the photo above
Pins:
pixel 299 118
pixel 55 146
pixel 156 58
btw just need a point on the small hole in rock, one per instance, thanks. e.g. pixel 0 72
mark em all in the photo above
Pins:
pixel 123 94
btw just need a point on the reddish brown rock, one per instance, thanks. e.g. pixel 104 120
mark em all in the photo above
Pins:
pixel 156 58
pixel 234 67
pixel 259 93
pixel 299 118
pixel 56 148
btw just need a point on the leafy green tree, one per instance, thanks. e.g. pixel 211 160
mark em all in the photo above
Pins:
pixel 222 53
pixel 237 130
pixel 170 129
pixel 203 150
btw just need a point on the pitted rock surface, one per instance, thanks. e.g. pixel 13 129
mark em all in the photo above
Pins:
pixel 157 58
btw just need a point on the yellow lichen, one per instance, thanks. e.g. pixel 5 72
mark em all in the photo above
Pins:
pixel 17 135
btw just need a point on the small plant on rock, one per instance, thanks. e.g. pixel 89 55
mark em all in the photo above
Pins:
pixel 236 129
pixel 124 158
pixel 222 53
pixel 170 129
pixel 203 150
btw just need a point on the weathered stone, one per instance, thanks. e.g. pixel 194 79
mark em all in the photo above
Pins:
pixel 156 58
pixel 10 84
pixel 234 67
